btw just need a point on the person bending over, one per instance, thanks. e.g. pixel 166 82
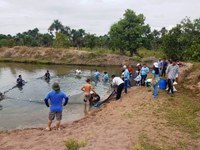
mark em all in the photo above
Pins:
pixel 118 85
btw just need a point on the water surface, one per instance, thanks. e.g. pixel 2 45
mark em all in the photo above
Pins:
pixel 24 107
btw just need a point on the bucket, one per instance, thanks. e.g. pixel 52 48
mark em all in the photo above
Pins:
pixel 163 84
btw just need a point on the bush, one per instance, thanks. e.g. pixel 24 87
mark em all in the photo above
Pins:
pixel 73 144
pixel 193 53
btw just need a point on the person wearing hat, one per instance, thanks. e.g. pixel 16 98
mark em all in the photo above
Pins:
pixel 126 78
pixel 155 79
pixel 54 99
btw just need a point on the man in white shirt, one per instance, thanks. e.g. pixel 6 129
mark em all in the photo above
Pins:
pixel 118 84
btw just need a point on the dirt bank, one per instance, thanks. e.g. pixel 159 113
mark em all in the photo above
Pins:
pixel 61 56
pixel 137 121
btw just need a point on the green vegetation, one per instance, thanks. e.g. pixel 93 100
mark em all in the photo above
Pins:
pixel 130 34
pixel 145 143
pixel 142 52
pixel 183 112
pixel 73 144
pixel 182 42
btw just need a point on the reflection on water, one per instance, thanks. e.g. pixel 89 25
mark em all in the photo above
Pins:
pixel 23 106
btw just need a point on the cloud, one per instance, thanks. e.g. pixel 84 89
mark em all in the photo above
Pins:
pixel 94 16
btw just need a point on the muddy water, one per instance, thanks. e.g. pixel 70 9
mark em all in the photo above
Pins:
pixel 24 107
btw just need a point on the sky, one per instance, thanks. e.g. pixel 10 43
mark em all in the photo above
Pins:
pixel 94 16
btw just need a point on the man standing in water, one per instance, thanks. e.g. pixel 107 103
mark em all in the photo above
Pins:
pixel 55 100
pixel 47 75
pixel 87 88
pixel 20 81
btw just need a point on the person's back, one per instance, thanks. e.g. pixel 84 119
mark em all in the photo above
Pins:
pixel 117 81
pixel 118 85
pixel 56 99
pixel 97 74
pixel 105 77
pixel 87 87
pixel 144 70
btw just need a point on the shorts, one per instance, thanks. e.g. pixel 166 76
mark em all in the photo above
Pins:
pixel 87 97
pixel 58 115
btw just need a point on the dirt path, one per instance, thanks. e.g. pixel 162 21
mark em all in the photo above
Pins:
pixel 117 126
pixel 127 124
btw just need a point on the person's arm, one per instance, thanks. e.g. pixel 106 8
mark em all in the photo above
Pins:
pixel 177 72
pixel 147 70
pixel 83 88
pixel 167 71
pixel 46 102
pixel 66 100
pixel 153 77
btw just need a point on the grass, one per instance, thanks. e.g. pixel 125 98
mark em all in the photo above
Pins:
pixel 100 50
pixel 145 144
pixel 183 112
pixel 74 144
pixel 143 53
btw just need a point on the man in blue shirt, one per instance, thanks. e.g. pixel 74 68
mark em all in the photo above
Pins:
pixel 96 77
pixel 105 77
pixel 55 100
pixel 126 77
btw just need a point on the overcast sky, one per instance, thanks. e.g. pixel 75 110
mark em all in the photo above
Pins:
pixel 94 16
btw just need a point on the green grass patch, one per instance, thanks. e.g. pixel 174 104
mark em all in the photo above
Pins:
pixel 142 52
pixel 74 144
pixel 183 112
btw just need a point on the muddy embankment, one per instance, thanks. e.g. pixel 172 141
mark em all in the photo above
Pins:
pixel 61 56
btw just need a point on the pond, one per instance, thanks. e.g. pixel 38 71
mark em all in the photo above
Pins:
pixel 24 107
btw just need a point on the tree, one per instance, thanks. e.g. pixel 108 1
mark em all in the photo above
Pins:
pixel 129 32
pixel 61 41
pixel 90 40
pixel 55 26
pixel 180 42
pixel 77 37
pixel 46 40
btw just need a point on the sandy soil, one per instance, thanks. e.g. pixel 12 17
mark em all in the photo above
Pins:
pixel 118 125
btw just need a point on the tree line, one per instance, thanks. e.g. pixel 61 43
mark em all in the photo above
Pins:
pixel 130 33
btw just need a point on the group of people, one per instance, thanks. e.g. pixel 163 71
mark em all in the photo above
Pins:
pixel 163 68
pixel 56 96
pixel 97 75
